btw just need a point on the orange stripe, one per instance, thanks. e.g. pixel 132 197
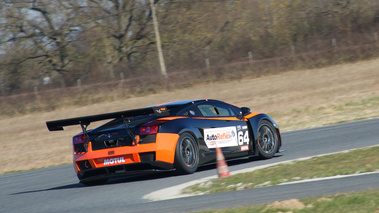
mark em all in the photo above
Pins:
pixel 218 118
pixel 163 104
pixel 228 118
pixel 252 115
pixel 170 118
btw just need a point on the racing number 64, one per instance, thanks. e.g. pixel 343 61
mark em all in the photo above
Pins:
pixel 243 137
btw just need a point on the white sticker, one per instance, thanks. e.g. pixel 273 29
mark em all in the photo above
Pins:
pixel 221 137
pixel 111 161
pixel 243 137
pixel 245 148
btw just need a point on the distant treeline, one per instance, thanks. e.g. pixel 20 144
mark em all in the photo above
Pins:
pixel 47 44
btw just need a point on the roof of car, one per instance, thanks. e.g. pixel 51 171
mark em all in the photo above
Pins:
pixel 178 103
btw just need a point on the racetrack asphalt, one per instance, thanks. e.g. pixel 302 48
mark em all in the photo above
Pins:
pixel 56 189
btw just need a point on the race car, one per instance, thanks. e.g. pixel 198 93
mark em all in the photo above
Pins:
pixel 172 136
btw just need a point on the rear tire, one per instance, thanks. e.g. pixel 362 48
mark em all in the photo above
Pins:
pixel 268 141
pixel 186 154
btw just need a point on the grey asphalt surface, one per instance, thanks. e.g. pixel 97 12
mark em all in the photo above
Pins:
pixel 56 189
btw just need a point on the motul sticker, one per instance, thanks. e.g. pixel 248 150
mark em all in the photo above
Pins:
pixel 221 137
pixel 113 161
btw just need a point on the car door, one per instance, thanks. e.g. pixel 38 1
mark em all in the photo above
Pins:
pixel 225 129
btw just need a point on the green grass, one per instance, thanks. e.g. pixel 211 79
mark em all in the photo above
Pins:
pixel 307 117
pixel 356 161
pixel 363 104
pixel 356 202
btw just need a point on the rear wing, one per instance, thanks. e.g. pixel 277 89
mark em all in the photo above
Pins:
pixel 86 120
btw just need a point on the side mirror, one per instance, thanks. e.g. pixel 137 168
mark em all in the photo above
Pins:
pixel 244 111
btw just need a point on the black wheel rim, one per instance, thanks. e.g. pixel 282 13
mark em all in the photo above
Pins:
pixel 266 138
pixel 188 152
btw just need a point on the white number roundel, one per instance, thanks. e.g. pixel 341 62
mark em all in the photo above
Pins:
pixel 243 137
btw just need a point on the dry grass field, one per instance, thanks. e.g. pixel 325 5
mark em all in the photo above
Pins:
pixel 296 100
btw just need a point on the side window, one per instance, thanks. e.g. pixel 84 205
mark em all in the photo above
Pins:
pixel 207 110
pixel 216 110
pixel 190 112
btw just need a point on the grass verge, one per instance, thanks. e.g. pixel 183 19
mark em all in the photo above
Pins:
pixel 352 162
pixel 366 201
pixel 327 114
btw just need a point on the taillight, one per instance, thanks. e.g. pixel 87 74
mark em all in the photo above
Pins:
pixel 78 139
pixel 80 147
pixel 148 129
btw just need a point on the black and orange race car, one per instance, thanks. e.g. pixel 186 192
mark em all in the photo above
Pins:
pixel 172 136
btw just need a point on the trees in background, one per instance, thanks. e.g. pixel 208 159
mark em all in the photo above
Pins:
pixel 119 32
pixel 97 40
pixel 36 39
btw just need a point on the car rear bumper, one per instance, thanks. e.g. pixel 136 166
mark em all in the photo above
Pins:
pixel 127 160
pixel 124 170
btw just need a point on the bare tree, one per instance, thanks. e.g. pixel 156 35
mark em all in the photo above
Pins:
pixel 47 27
pixel 127 28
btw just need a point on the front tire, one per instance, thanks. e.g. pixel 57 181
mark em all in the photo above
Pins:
pixel 268 140
pixel 186 154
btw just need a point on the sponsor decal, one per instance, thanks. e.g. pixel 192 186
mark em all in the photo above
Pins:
pixel 243 137
pixel 161 111
pixel 112 161
pixel 220 137
pixel 245 148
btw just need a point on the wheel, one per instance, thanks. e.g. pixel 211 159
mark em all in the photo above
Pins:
pixel 186 154
pixel 267 140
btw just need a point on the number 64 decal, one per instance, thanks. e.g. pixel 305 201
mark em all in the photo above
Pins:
pixel 243 137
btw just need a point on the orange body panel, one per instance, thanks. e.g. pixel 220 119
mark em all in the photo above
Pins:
pixel 228 118
pixel 170 118
pixel 164 147
pixel 251 115
pixel 166 144
pixel 218 118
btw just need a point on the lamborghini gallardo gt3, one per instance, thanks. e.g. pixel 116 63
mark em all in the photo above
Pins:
pixel 177 136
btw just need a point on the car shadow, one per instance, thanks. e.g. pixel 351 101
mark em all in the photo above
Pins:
pixel 69 186
pixel 149 176
pixel 135 178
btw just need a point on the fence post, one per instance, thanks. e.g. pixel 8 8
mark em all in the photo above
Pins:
pixel 250 57
pixel 122 77
pixel 292 49
pixel 334 43
pixel 207 64
pixel 36 93
pixel 376 36
pixel 79 82
pixel 36 90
